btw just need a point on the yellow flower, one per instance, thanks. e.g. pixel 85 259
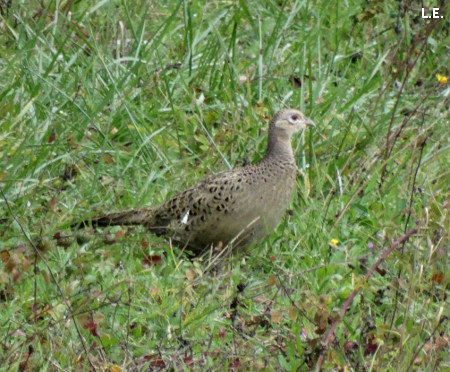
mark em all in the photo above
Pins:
pixel 441 79
pixel 334 241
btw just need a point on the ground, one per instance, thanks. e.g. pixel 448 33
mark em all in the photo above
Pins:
pixel 110 105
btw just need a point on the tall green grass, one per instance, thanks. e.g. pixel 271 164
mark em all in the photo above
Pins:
pixel 112 104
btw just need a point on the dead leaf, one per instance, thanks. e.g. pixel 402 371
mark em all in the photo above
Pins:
pixel 437 277
pixel 99 318
pixel 52 136
pixel 271 280
pixel 62 239
pixel 275 316
pixel 222 333
pixel 120 234
pixel 236 364
pixel 12 262
pixel 16 274
pixel 155 290
pixel 46 276
pixel 43 244
pixel 84 320
pixel 190 274
pixel 155 360
pixel 108 159
pixel 442 342
pixel 87 323
pixel 350 346
pixel 152 259
pixel 72 143
pixel 293 313
pixel 188 361
pixel 371 346
pixel 295 81
pixel 4 256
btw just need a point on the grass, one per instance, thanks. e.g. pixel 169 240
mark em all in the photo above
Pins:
pixel 111 105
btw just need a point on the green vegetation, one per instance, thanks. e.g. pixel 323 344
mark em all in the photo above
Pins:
pixel 107 105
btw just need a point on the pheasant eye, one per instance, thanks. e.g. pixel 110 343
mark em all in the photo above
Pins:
pixel 294 118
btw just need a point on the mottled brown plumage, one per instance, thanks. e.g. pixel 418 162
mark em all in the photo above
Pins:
pixel 237 206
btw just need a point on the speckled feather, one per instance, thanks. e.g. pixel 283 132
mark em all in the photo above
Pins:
pixel 238 206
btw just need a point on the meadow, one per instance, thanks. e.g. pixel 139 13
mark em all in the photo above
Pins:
pixel 109 105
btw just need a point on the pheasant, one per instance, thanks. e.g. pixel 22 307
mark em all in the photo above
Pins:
pixel 236 207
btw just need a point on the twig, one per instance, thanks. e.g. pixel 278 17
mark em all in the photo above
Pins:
pixel 329 335
pixel 66 301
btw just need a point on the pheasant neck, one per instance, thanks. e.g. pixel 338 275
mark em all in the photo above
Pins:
pixel 279 148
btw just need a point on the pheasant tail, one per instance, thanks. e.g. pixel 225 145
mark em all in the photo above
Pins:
pixel 131 217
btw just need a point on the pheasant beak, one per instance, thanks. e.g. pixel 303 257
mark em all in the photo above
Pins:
pixel 310 122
